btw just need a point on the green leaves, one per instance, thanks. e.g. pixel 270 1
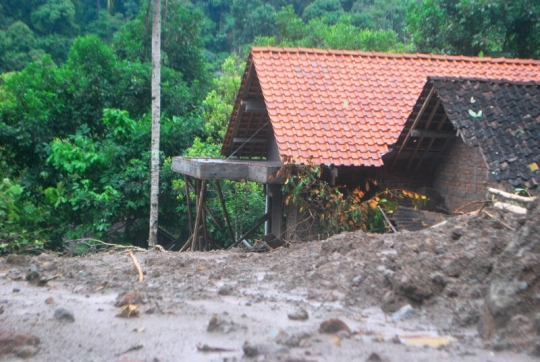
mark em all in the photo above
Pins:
pixel 76 156
pixel 473 114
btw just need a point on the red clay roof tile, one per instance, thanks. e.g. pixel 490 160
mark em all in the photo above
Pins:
pixel 346 107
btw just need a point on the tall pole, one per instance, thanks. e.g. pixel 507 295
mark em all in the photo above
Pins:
pixel 156 114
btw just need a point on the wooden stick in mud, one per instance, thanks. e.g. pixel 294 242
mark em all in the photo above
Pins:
pixel 512 208
pixel 137 266
pixel 187 244
pixel 510 196
pixel 386 219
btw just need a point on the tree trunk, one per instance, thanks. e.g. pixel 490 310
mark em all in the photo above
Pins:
pixel 156 114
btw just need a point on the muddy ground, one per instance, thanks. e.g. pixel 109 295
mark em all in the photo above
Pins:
pixel 464 290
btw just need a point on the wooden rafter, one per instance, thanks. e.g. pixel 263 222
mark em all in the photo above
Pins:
pixel 419 142
pixel 426 151
pixel 415 122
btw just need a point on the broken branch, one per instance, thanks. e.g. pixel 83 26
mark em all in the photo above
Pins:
pixel 137 266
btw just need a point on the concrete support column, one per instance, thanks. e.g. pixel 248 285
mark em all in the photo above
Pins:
pixel 276 209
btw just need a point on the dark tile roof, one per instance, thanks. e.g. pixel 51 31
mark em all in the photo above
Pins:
pixel 501 117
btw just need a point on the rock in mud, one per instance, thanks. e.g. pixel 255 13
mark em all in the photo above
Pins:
pixel 291 339
pixel 20 344
pixel 298 315
pixel 404 312
pixel 63 314
pixel 15 259
pixel 222 325
pixel 33 275
pixel 374 357
pixel 226 290
pixel 261 349
pixel 334 325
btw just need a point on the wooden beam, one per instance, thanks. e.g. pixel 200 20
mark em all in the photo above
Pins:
pixel 419 142
pixel 510 196
pixel 249 140
pixel 261 221
pixel 415 122
pixel 256 106
pixel 237 120
pixel 225 212
pixel 509 207
pixel 247 86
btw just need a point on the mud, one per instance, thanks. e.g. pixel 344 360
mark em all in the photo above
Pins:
pixel 410 296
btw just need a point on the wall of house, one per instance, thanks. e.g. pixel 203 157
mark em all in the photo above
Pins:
pixel 461 176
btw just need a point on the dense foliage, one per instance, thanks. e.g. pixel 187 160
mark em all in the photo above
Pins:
pixel 473 27
pixel 75 96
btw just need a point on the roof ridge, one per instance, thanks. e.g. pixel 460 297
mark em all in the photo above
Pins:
pixel 363 53
pixel 483 80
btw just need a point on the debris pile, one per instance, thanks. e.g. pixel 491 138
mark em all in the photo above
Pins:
pixel 510 318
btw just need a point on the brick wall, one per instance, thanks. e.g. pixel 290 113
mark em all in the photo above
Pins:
pixel 461 175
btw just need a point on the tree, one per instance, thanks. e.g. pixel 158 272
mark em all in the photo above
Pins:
pixel 328 10
pixel 293 32
pixel 472 27
pixel 156 115
pixel 381 15
pixel 17 47
pixel 55 17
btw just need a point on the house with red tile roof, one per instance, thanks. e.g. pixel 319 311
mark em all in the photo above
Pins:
pixel 346 110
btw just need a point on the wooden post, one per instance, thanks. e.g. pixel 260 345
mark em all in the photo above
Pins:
pixel 195 244
pixel 188 200
pixel 225 212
